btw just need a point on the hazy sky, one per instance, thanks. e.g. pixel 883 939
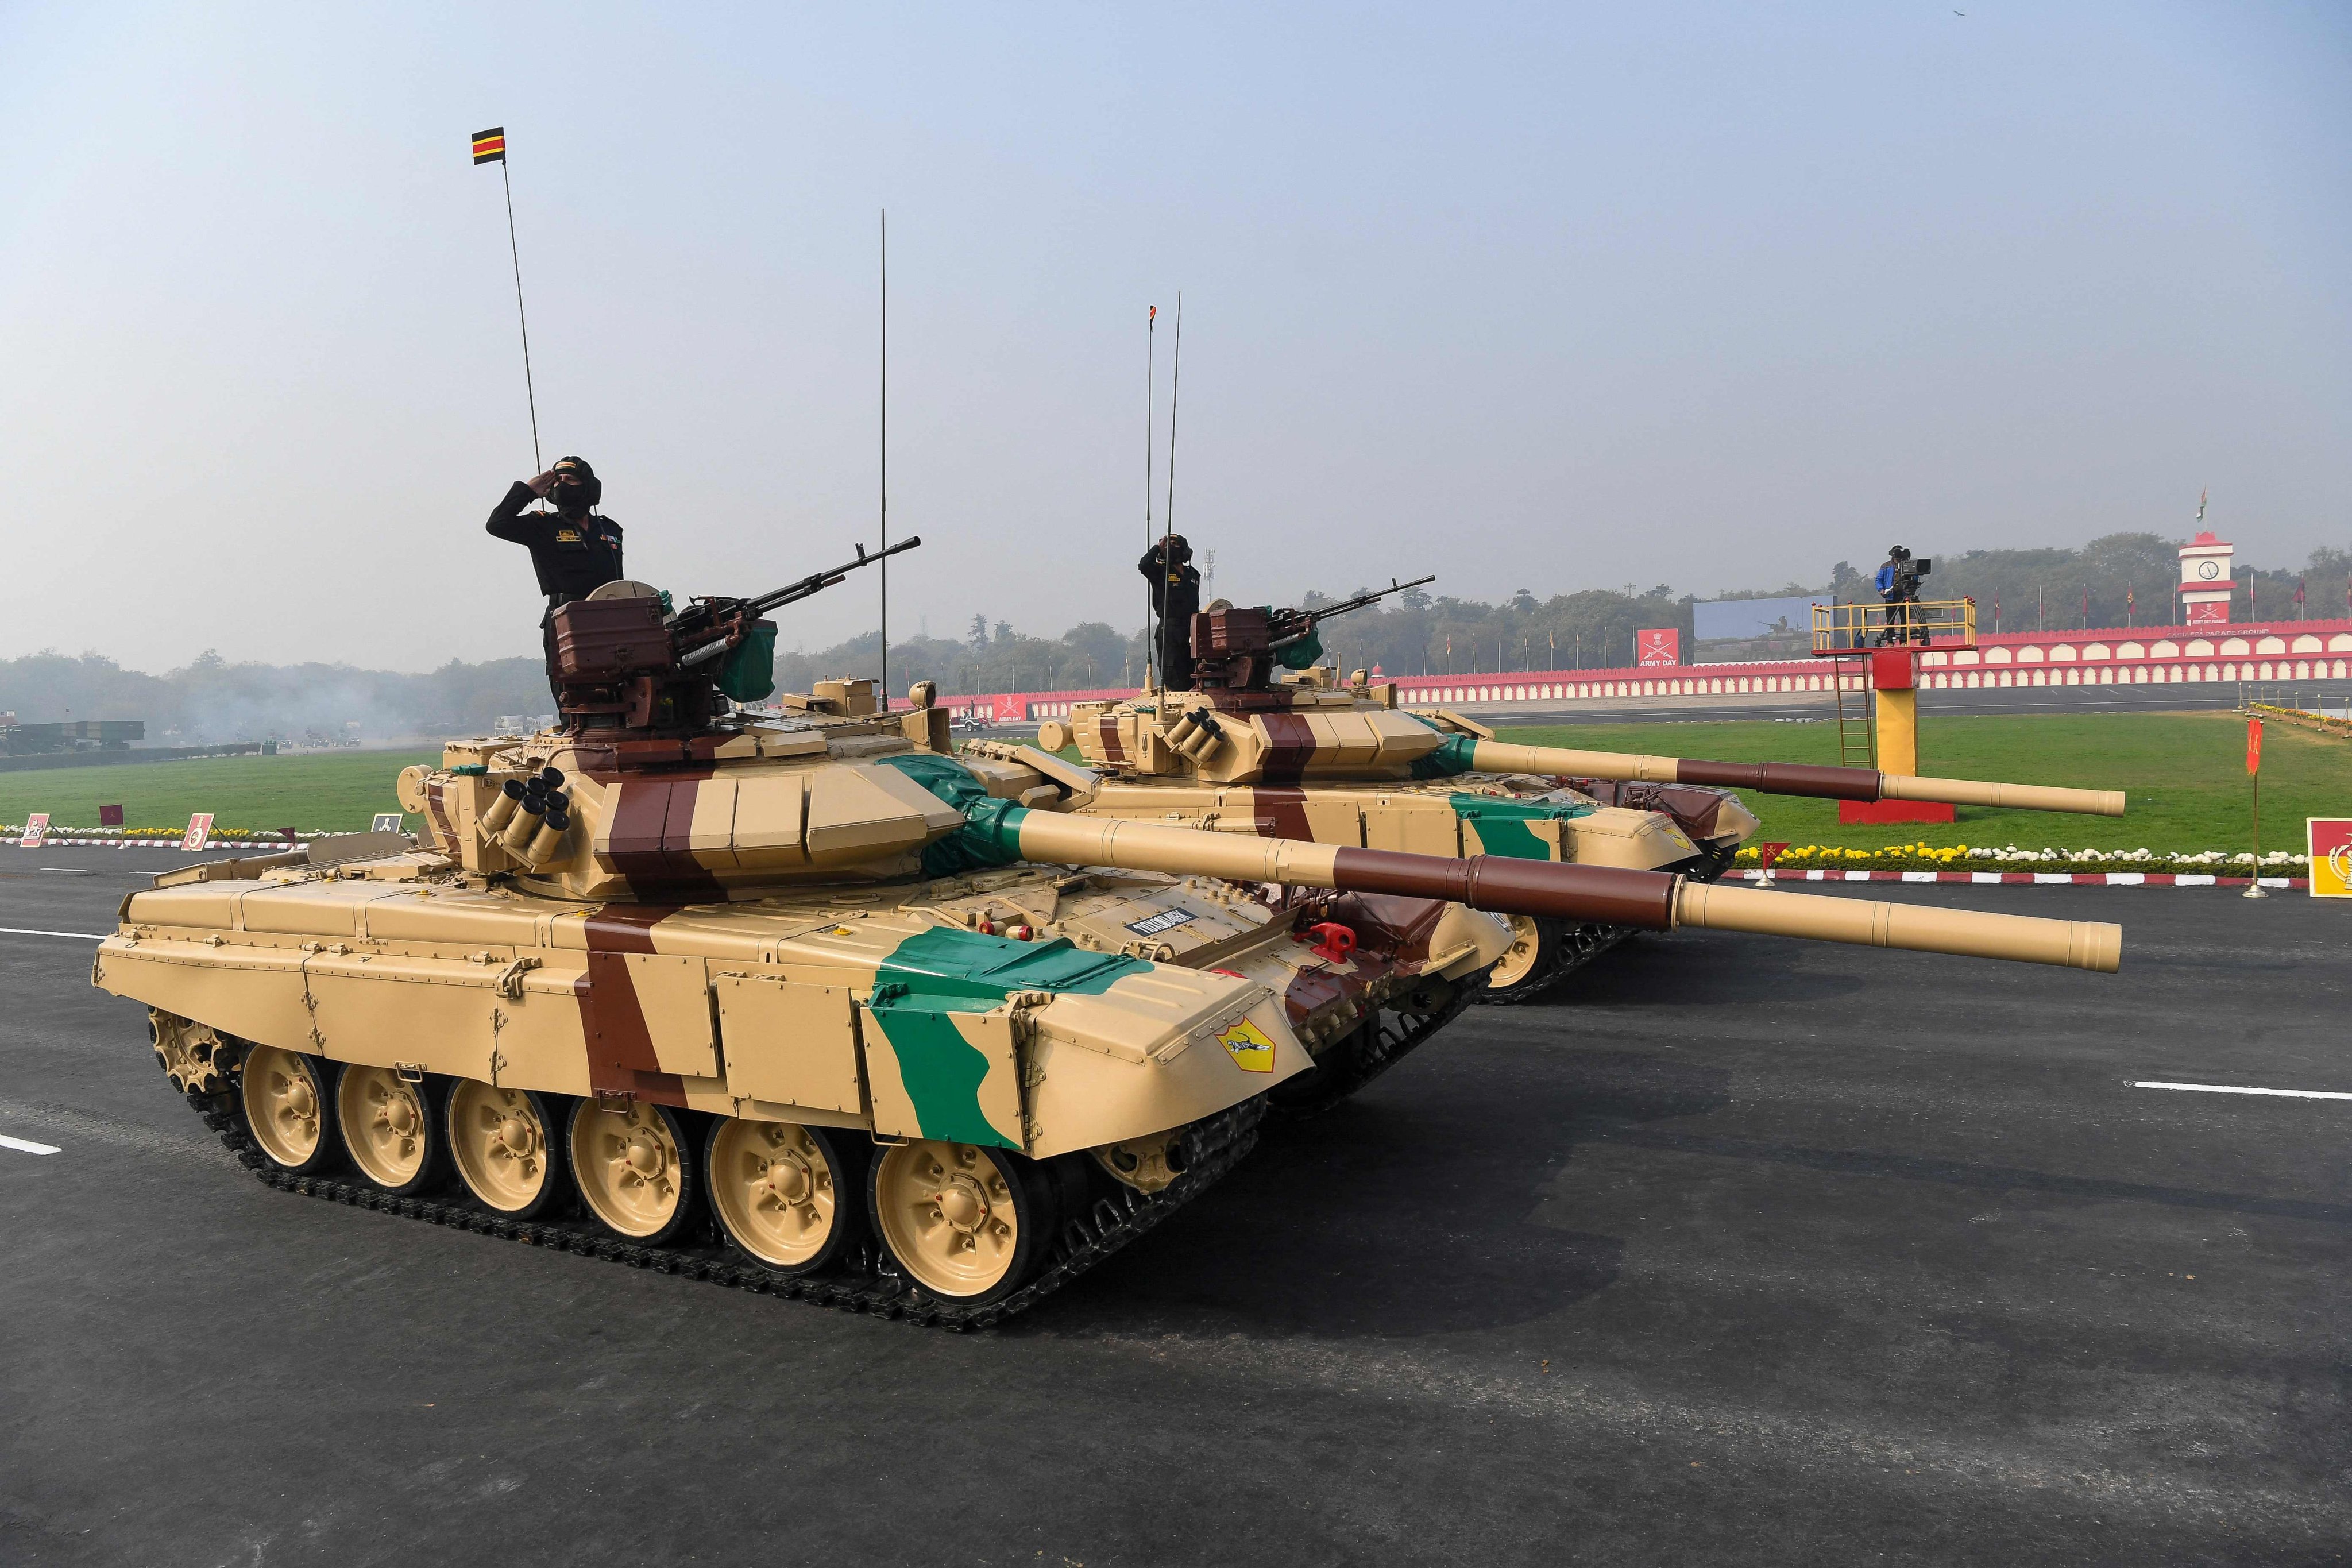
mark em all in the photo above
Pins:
pixel 1538 296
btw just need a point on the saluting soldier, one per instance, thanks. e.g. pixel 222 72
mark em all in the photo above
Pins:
pixel 1176 596
pixel 576 549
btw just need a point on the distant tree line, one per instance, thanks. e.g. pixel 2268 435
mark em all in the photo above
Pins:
pixel 2123 575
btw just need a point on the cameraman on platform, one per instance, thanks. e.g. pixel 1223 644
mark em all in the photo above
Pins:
pixel 1898 584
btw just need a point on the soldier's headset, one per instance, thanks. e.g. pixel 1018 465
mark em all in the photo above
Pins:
pixel 591 488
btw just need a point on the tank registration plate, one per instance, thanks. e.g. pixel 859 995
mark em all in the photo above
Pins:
pixel 1166 920
pixel 1252 1051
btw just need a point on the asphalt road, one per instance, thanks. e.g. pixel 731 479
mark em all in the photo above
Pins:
pixel 1755 1251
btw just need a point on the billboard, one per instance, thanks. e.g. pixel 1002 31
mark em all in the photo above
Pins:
pixel 1658 646
pixel 1727 630
pixel 2330 847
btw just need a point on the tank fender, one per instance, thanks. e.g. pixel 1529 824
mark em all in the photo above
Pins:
pixel 1091 1085
pixel 1466 939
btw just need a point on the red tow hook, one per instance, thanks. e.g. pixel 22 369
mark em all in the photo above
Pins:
pixel 1337 945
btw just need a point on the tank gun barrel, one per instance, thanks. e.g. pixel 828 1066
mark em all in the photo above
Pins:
pixel 1650 901
pixel 1774 778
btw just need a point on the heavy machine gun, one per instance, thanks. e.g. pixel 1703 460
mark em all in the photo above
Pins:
pixel 1237 650
pixel 624 661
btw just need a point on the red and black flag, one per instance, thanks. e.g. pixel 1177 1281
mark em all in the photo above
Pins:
pixel 491 146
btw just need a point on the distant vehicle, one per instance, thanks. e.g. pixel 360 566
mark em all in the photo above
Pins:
pixel 971 722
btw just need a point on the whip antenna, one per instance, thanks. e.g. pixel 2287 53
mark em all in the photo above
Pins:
pixel 1175 380
pixel 1151 385
pixel 490 147
pixel 886 460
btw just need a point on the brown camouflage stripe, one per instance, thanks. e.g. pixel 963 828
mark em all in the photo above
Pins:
pixel 1290 746
pixel 437 809
pixel 620 1048
pixel 652 835
pixel 1783 778
pixel 1280 812
pixel 1107 733
pixel 1612 894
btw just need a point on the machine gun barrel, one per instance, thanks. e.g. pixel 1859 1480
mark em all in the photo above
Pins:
pixel 1783 778
pixel 817 582
pixel 1651 900
pixel 1290 625
pixel 752 609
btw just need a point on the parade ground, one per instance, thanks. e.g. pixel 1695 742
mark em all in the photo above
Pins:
pixel 1743 1251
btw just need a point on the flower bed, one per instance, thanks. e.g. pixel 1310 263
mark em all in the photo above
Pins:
pixel 2010 858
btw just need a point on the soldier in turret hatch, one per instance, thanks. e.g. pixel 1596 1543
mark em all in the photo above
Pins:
pixel 1175 598
pixel 574 549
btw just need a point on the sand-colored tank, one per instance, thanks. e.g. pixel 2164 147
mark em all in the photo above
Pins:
pixel 1271 743
pixel 809 1006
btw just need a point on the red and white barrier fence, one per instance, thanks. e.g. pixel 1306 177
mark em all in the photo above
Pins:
pixel 2273 651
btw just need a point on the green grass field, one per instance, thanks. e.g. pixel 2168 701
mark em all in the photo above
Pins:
pixel 2185 773
pixel 334 790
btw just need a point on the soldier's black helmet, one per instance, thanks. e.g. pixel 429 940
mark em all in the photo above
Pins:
pixel 577 488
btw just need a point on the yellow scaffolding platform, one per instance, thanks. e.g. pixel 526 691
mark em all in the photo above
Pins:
pixel 1852 629
pixel 1884 732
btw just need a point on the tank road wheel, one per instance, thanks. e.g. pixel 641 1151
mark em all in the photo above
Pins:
pixel 788 1196
pixel 288 1108
pixel 1538 945
pixel 506 1145
pixel 389 1129
pixel 632 1169
pixel 964 1221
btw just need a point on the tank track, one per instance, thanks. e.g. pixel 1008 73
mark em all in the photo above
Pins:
pixel 1370 1051
pixel 864 1283
pixel 1580 943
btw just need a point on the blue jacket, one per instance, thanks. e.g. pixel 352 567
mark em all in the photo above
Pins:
pixel 1885 578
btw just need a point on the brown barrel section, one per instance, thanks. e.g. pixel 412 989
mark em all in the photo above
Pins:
pixel 1782 778
pixel 1500 882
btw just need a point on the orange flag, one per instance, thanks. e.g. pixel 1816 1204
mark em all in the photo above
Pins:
pixel 2253 745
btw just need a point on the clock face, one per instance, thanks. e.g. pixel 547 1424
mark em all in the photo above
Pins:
pixel 2208 570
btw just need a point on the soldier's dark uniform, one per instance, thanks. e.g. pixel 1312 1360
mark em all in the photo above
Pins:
pixel 1176 596
pixel 574 550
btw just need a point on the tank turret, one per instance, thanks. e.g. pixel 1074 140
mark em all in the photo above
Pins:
pixel 803 1004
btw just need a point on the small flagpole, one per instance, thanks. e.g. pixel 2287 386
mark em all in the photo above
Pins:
pixel 2254 883
pixel 1150 388
pixel 886 458
pixel 514 250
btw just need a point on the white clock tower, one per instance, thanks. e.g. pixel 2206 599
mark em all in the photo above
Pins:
pixel 2205 585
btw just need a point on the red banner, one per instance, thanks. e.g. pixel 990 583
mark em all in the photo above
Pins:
pixel 2253 745
pixel 1658 646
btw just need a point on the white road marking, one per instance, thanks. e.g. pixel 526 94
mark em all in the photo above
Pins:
pixel 2235 1089
pixel 76 935
pixel 23 1147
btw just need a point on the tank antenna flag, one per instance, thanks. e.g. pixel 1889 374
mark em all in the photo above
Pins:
pixel 491 146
